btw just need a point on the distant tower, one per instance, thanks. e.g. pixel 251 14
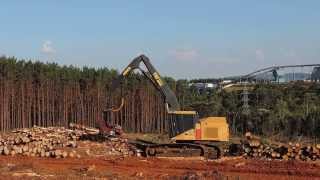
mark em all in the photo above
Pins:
pixel 275 75
pixel 315 75
pixel 245 100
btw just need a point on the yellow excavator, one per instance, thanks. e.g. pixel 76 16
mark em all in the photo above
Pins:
pixel 190 135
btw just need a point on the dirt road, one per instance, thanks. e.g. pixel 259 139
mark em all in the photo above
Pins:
pixel 137 168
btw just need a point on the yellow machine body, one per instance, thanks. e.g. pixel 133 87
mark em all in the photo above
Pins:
pixel 206 129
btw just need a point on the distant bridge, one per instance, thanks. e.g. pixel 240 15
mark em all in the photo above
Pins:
pixel 276 68
pixel 271 74
pixel 267 75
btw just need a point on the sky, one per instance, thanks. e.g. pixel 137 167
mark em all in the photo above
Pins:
pixel 183 38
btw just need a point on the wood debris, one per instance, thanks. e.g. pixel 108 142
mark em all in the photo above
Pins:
pixel 253 146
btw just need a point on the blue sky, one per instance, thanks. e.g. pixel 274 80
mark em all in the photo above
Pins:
pixel 184 39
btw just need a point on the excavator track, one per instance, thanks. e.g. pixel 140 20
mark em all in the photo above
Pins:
pixel 180 150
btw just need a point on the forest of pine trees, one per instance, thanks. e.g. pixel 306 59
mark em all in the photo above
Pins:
pixel 47 94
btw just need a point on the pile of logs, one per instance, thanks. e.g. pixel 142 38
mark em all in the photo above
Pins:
pixel 41 142
pixel 57 142
pixel 253 146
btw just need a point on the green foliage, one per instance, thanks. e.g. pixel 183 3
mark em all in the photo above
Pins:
pixel 290 110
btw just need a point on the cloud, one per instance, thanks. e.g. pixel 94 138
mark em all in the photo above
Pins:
pixel 290 54
pixel 260 54
pixel 225 60
pixel 184 54
pixel 47 48
pixel 4 55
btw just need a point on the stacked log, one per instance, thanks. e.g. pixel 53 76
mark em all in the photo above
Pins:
pixel 254 147
pixel 87 130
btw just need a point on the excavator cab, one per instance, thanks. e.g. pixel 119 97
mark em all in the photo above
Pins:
pixel 181 121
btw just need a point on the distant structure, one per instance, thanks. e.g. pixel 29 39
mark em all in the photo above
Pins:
pixel 315 75
pixel 245 100
pixel 201 87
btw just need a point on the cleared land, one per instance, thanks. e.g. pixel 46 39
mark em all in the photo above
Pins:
pixel 115 158
pixel 136 168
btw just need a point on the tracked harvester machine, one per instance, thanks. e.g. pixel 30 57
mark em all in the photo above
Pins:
pixel 190 135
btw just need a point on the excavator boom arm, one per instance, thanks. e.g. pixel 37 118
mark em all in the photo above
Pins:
pixel 154 77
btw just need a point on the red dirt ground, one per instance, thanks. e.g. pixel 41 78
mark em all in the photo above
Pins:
pixel 152 168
